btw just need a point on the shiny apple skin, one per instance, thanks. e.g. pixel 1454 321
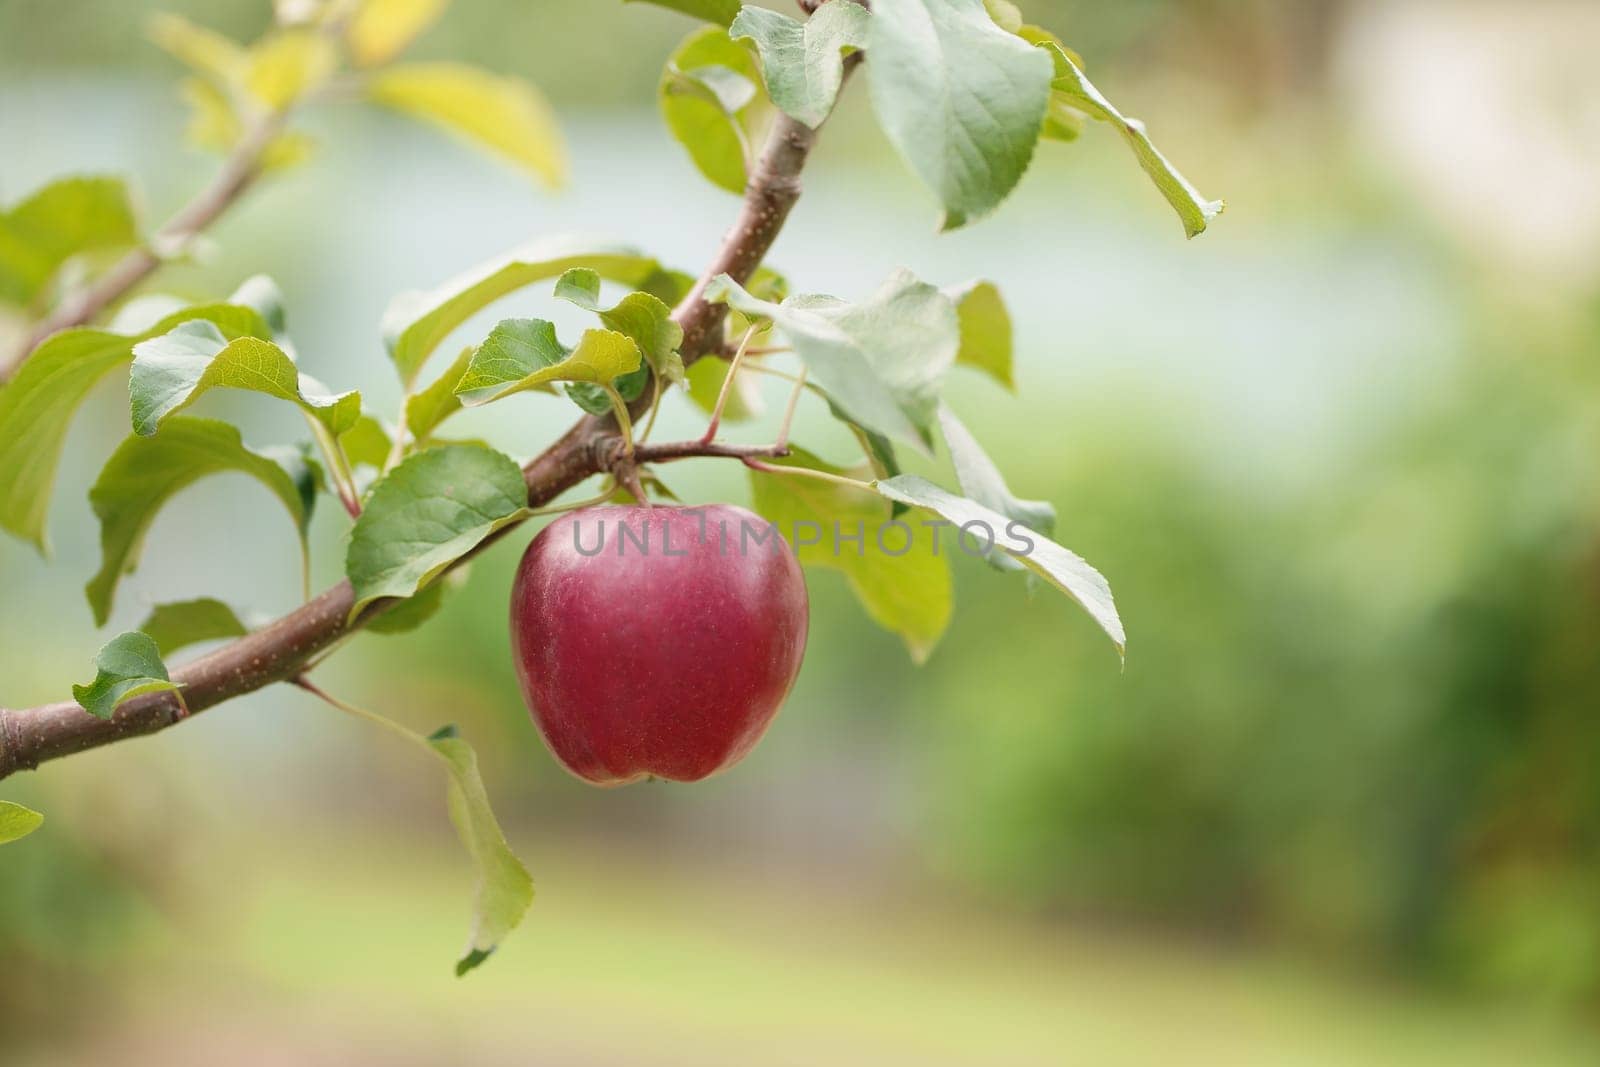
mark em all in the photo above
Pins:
pixel 644 663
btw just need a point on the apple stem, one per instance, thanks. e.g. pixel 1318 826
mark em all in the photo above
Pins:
pixel 628 475
pixel 727 386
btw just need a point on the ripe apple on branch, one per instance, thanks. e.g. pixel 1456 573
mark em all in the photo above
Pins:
pixel 667 665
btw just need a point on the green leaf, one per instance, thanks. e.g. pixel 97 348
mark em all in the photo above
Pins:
pixel 66 218
pixel 719 11
pixel 1055 564
pixel 505 115
pixel 803 62
pixel 985 330
pixel 524 354
pixel 960 99
pixel 711 101
pixel 414 611
pixel 183 623
pixel 38 405
pixel 174 370
pixel 982 481
pixel 427 513
pixel 1073 88
pixel 880 361
pixel 426 409
pixel 641 316
pixel 130 664
pixel 417 322
pixel 366 443
pixel 17 822
pixel 908 594
pixel 505 888
pixel 145 472
pixel 379 30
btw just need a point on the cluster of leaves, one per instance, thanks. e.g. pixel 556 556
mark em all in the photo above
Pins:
pixel 339 50
pixel 963 90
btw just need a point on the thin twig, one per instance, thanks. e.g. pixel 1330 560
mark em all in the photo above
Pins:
pixel 807 472
pixel 727 386
pixel 788 412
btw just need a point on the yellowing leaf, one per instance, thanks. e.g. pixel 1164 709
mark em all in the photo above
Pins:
pixel 203 51
pixel 985 329
pixel 17 821
pixel 214 126
pixel 506 115
pixel 902 581
pixel 288 65
pixel 382 29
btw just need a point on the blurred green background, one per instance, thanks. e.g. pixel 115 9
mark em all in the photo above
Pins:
pixel 1339 457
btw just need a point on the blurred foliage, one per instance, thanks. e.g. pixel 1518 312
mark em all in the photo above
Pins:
pixel 1251 44
pixel 1360 714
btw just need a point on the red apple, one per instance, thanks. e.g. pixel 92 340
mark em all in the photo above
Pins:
pixel 656 641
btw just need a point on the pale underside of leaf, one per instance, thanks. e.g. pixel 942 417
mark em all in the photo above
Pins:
pixel 803 62
pixel 982 481
pixel 880 361
pixel 1057 565
pixel 960 99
